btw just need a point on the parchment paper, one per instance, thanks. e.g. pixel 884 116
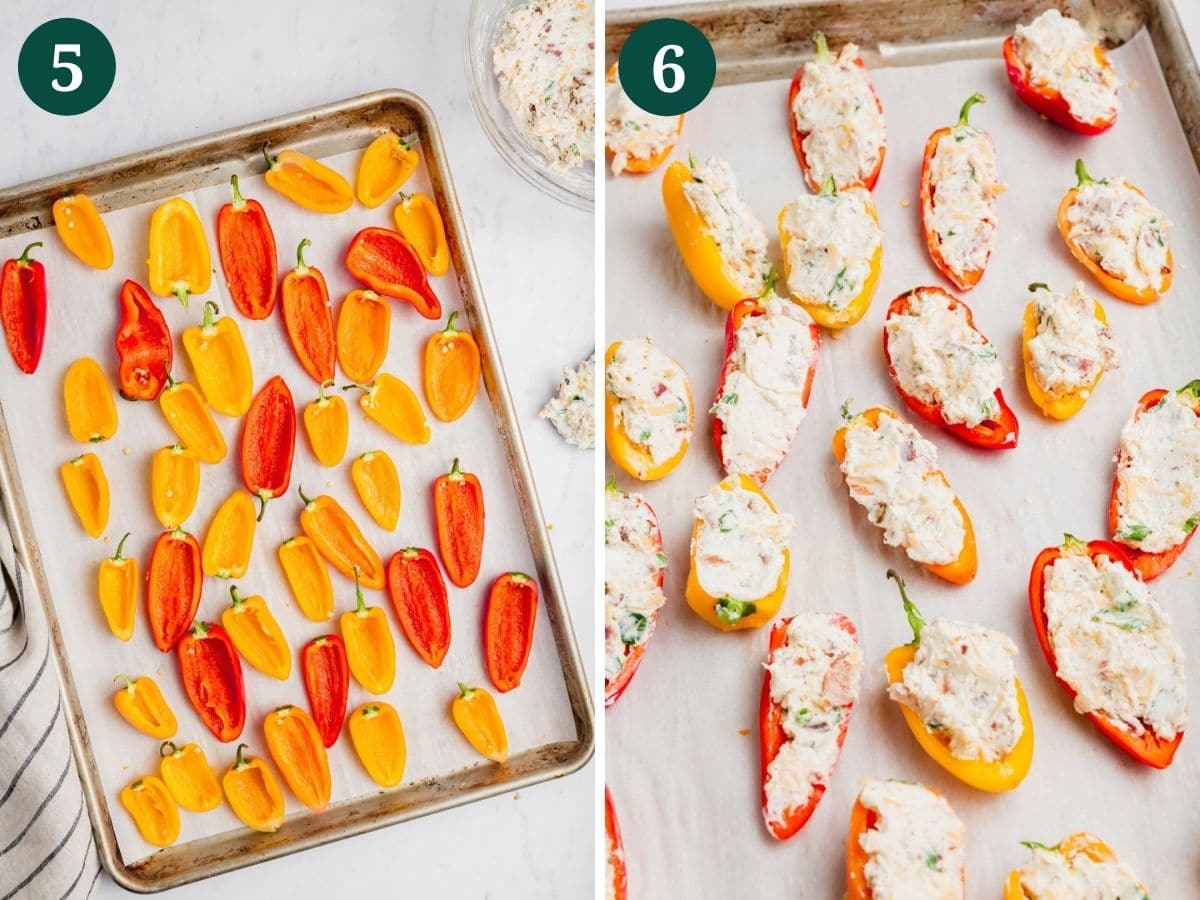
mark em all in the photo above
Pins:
pixel 683 758
pixel 83 318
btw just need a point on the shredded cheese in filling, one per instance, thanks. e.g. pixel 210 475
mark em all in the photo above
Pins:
pixel 1052 874
pixel 570 410
pixel 839 116
pixel 962 684
pixel 1158 475
pixel 893 473
pixel 830 241
pixel 633 563
pixel 761 402
pixel 544 60
pixel 962 210
pixel 632 133
pixel 940 359
pixel 741 238
pixel 1118 228
pixel 915 848
pixel 1059 55
pixel 814 679
pixel 1072 347
pixel 653 405
pixel 739 547
pixel 1114 645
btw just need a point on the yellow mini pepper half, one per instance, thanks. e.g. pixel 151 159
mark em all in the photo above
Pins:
pixel 418 219
pixel 153 810
pixel 1056 406
pixel 142 705
pixel 391 404
pixel 378 738
pixel 625 450
pixel 370 649
pixel 296 746
pixel 307 182
pixel 378 485
pixel 179 260
pixel 186 773
pixel 230 537
pixel 188 415
pixel 1071 848
pixel 327 424
pixel 87 489
pixel 256 635
pixel 82 231
pixel 307 575
pixel 221 363
pixel 91 410
pixel 386 164
pixel 174 484
pixel 363 330
pixel 474 712
pixel 117 587
pixel 253 792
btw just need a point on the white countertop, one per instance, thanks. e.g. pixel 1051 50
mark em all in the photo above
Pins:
pixel 185 70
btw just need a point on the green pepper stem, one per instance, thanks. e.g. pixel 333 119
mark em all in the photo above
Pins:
pixel 300 491
pixel 181 294
pixel 23 259
pixel 170 380
pixel 965 112
pixel 1070 542
pixel 360 602
pixel 301 265
pixel 200 629
pixel 1192 389
pixel 822 45
pixel 1039 285
pixel 164 745
pixel 272 161
pixel 117 557
pixel 262 497
pixel 321 398
pixel 455 472
pixel 828 188
pixel 238 200
pixel 1082 174
pixel 404 198
pixel 240 762
pixel 611 484
pixel 769 283
pixel 464 691
pixel 915 622
pixel 236 595
pixel 210 309
pixel 126 680
pixel 450 329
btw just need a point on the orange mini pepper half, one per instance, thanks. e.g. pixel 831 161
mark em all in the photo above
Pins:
pixel 306 316
pixel 451 371
pixel 141 704
pixel 474 712
pixel 117 587
pixel 307 182
pixel 187 775
pixel 87 489
pixel 296 747
pixel 308 577
pixel 246 245
pixel 386 164
pixel 253 793
pixel 419 599
pixel 153 810
pixel 392 405
pixel 174 484
pixel 187 414
pixel 459 514
pixel 363 330
pixel 508 628
pixel 370 650
pixel 220 362
pixel 388 264
pixel 91 410
pixel 1071 848
pixel 327 424
pixel 378 738
pixel 1056 406
pixel 418 219
pixel 626 451
pixel 340 540
pixel 378 485
pixel 616 877
pixel 256 635
pixel 230 537
pixel 179 258
pixel 82 230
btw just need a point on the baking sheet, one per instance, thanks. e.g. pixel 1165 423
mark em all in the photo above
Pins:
pixel 683 758
pixel 82 321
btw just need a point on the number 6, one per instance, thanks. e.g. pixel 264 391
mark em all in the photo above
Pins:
pixel 660 67
pixel 76 73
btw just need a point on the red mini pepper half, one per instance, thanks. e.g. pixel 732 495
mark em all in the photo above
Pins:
pixel 212 678
pixel 388 264
pixel 327 683
pixel 458 511
pixel 419 597
pixel 246 244
pixel 1147 747
pixel 1048 101
pixel 307 318
pixel 173 581
pixel 23 308
pixel 508 628
pixel 615 873
pixel 144 347
pixel 269 442
pixel 999 433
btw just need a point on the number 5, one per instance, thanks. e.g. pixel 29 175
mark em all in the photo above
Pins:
pixel 76 73
pixel 661 67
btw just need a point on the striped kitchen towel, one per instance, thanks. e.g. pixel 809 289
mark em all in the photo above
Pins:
pixel 46 845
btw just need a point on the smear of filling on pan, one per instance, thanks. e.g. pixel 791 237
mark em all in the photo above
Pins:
pixel 570 410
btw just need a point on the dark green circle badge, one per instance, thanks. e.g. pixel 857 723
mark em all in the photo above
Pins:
pixel 66 66
pixel 667 67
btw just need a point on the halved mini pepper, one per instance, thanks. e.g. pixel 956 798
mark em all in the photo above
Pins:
pixel 257 635
pixel 392 405
pixel 386 164
pixel 141 704
pixel 1056 406
pixel 340 540
pixel 186 773
pixel 91 411
pixel 230 537
pixel 174 484
pixel 1048 101
pixel 388 264
pixel 327 424
pixel 307 182
pixel 253 793
pixel 633 457
pixel 617 878
pixel 1072 847
pixel 144 347
pixel 153 810
pixel 82 231
pixel 997 776
pixel 179 259
pixel 639 165
pixel 327 684
pixel 378 485
pixel 370 651
pixel 451 371
pixel 363 329
pixel 508 628
pixel 296 747
pixel 212 679
pixel 246 245
pixel 117 587
pixel 419 598
pixel 188 415
pixel 23 308
pixel 418 219
pixel 220 362
pixel 378 738
pixel 269 442
pixel 308 577
pixel 87 489
pixel 474 712
pixel 459 515
pixel 307 318
pixel 173 582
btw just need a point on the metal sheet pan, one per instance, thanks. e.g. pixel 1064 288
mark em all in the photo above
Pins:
pixel 198 163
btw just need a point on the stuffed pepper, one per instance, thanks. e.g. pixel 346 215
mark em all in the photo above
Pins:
pixel 739 556
pixel 1111 647
pixel 635 141
pixel 893 473
pixel 946 370
pixel 1154 505
pixel 1062 73
pixel 771 348
pixel 962 700
pixel 721 241
pixel 634 564
pixel 1080 865
pixel 809 690
pixel 959 187
pixel 648 409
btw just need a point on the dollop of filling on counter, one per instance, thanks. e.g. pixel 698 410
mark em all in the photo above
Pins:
pixel 962 684
pixel 570 410
pixel 940 359
pixel 1118 228
pixel 831 240
pixel 915 848
pixel 1114 646
pixel 965 185
pixel 815 679
pixel 651 390
pixel 545 61
pixel 839 116
pixel 761 403
pixel 633 565
pixel 1052 874
pixel 1072 347
pixel 740 236
pixel 1158 475
pixel 632 133
pixel 739 547
pixel 1059 55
